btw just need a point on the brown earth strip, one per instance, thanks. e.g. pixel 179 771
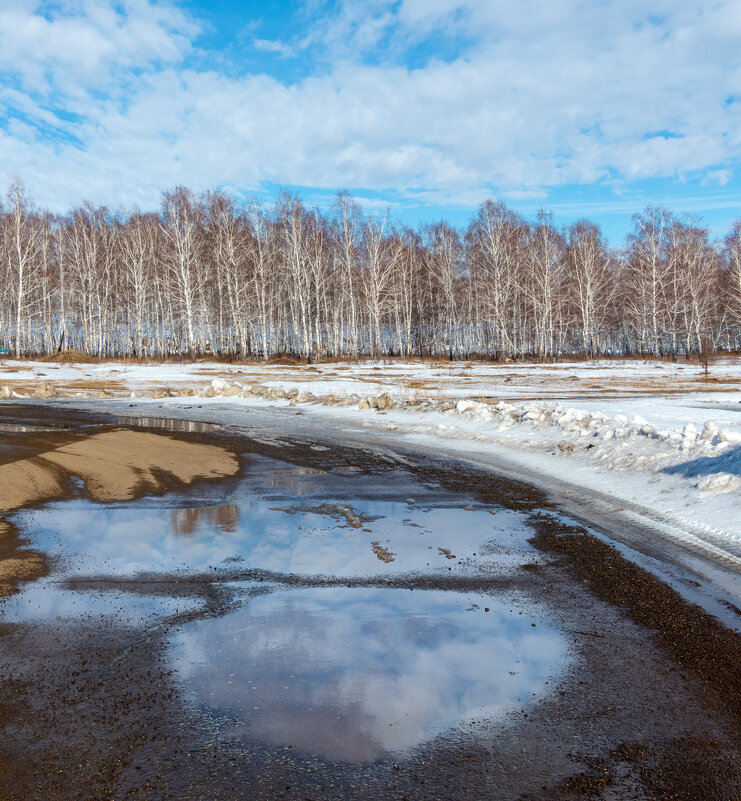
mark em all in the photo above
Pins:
pixel 692 637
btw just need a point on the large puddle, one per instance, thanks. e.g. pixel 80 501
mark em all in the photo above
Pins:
pixel 349 673
pixel 355 674
pixel 286 519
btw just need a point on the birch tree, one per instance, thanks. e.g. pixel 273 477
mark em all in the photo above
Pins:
pixel 346 235
pixel 590 285
pixel 182 228
pixel 732 257
pixel 21 247
pixel 260 279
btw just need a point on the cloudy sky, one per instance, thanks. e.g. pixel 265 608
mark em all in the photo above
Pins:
pixel 426 106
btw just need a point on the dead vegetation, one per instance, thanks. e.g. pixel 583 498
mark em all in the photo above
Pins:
pixel 71 357
pixel 446 379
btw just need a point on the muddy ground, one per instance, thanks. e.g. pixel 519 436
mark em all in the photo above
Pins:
pixel 650 707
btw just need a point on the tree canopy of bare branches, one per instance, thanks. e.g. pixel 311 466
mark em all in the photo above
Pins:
pixel 207 274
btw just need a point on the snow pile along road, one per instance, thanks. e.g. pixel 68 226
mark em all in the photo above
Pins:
pixel 711 454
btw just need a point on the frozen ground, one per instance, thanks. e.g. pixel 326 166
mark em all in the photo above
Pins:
pixel 652 441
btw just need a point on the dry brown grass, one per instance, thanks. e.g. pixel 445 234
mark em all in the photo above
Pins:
pixel 81 384
pixel 76 385
pixel 72 357
pixel 289 361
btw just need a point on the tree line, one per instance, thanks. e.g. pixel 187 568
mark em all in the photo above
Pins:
pixel 207 274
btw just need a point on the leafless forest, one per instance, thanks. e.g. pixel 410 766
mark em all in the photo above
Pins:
pixel 210 275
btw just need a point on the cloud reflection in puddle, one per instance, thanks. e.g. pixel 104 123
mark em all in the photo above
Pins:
pixel 147 537
pixel 356 674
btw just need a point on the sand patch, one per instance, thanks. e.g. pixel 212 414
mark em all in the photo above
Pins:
pixel 26 482
pixel 26 565
pixel 117 465
pixel 17 564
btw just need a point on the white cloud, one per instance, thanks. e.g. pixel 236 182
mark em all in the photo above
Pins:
pixel 543 94
pixel 719 177
pixel 279 48
pixel 84 42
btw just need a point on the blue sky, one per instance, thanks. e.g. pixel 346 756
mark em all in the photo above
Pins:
pixel 426 107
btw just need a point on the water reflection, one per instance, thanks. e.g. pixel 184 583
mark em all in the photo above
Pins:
pixel 167 424
pixel 22 428
pixel 190 519
pixel 350 674
pixel 45 602
pixel 314 539
pixel 300 481
pixel 354 674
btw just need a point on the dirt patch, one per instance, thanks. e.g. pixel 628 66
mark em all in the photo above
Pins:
pixel 382 554
pixel 26 482
pixel 118 465
pixel 71 357
pixel 24 566
pixel 82 384
pixel 31 388
pixel 334 510
pixel 16 563
pixel 290 361
pixel 233 374
pixel 717 379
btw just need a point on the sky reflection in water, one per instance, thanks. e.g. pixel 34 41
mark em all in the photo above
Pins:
pixel 273 535
pixel 44 601
pixel 354 674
